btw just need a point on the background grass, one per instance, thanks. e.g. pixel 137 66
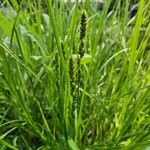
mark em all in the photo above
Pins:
pixel 52 98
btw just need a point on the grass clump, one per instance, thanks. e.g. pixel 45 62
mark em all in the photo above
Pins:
pixel 72 77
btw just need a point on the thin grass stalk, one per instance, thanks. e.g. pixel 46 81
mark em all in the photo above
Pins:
pixel 7 144
pixel 135 37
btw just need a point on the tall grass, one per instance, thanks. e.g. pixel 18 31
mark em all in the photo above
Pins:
pixel 72 77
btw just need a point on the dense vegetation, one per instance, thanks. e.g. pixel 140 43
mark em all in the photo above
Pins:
pixel 73 77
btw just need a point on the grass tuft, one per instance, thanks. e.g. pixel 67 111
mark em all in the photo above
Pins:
pixel 74 77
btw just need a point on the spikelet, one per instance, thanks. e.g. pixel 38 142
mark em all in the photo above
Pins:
pixel 83 24
pixel 56 64
pixel 81 51
pixel 71 74
pixel 76 71
pixel 72 87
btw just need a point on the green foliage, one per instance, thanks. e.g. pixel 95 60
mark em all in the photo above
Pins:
pixel 74 78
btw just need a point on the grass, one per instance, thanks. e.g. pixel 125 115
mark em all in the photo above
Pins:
pixel 74 77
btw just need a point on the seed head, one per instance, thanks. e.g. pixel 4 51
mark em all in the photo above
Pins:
pixel 83 23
